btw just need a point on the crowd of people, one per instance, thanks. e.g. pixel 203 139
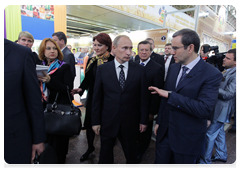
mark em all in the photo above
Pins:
pixel 189 98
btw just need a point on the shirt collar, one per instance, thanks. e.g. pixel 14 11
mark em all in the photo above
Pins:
pixel 229 69
pixel 192 64
pixel 145 62
pixel 63 48
pixel 117 64
pixel 168 56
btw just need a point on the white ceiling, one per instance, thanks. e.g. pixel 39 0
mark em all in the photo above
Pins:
pixel 91 19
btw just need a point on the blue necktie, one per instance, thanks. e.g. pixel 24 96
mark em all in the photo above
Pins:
pixel 184 73
pixel 121 77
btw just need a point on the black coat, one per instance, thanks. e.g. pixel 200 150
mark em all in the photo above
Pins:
pixel 88 84
pixel 58 83
pixel 23 110
pixel 155 77
pixel 157 58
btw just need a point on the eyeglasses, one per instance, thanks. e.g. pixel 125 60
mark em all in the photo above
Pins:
pixel 176 48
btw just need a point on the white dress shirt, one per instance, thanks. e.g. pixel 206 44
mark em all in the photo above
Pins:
pixel 118 69
pixel 167 63
pixel 145 62
pixel 189 66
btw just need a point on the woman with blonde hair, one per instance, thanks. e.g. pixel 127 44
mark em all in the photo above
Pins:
pixel 59 79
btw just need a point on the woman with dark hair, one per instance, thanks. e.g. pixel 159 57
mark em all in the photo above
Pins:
pixel 58 80
pixel 102 45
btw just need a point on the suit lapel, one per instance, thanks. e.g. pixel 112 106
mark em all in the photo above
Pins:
pixel 113 75
pixel 148 66
pixel 193 74
pixel 152 55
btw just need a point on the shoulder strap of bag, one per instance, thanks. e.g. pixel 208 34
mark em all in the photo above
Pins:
pixel 54 105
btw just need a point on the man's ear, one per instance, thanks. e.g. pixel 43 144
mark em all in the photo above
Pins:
pixel 191 48
pixel 236 62
pixel 62 41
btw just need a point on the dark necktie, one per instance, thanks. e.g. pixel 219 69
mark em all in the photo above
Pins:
pixel 184 73
pixel 166 59
pixel 121 77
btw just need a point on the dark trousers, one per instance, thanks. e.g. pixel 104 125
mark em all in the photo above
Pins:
pixel 129 145
pixel 164 154
pixel 144 139
pixel 60 145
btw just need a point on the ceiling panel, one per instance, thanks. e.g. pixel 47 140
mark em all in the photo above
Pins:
pixel 96 18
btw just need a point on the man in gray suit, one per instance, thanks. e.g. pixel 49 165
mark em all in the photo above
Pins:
pixel 223 110
pixel 84 53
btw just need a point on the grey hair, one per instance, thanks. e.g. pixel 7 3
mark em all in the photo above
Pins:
pixel 150 39
pixel 116 40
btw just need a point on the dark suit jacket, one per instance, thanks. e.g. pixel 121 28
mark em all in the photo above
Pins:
pixel 155 77
pixel 37 60
pixel 23 109
pixel 69 59
pixel 157 58
pixel 113 108
pixel 185 112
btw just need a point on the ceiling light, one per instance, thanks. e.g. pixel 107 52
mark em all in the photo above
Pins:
pixel 203 14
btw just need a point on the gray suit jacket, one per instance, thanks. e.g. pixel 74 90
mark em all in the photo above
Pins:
pixel 226 102
pixel 82 55
pixel 69 59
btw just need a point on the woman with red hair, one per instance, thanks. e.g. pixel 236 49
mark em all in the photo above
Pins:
pixel 102 45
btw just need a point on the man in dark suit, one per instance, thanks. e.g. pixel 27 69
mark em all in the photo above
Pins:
pixel 154 56
pixel 188 98
pixel 155 77
pixel 120 108
pixel 168 58
pixel 24 128
pixel 61 40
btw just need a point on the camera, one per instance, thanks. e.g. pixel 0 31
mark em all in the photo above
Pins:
pixel 217 59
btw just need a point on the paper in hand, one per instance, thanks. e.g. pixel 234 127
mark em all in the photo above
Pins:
pixel 40 69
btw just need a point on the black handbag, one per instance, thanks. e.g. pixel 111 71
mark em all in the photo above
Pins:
pixel 62 119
